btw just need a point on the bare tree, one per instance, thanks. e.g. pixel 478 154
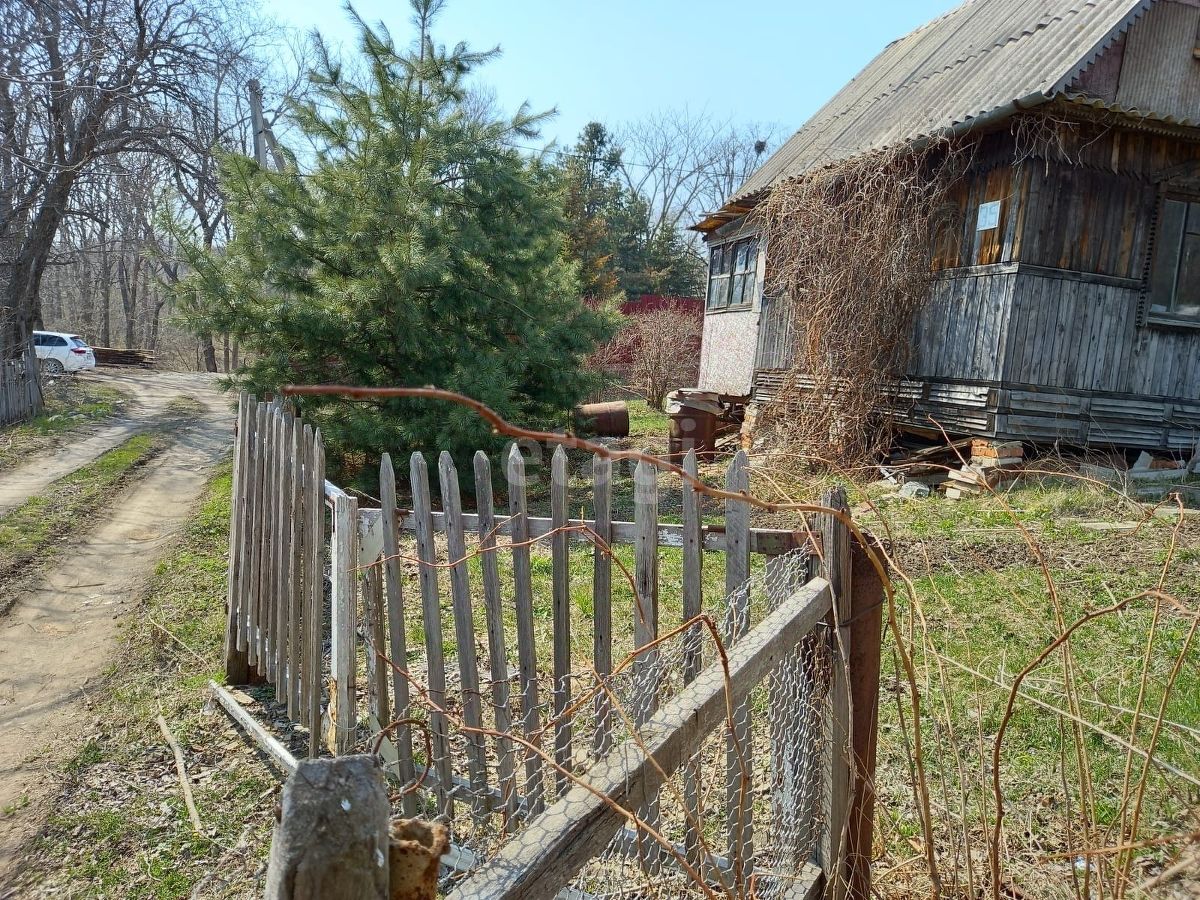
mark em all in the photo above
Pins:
pixel 658 351
pixel 81 82
pixel 685 164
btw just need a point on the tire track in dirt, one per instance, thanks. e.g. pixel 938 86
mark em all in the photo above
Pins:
pixel 56 642
pixel 152 393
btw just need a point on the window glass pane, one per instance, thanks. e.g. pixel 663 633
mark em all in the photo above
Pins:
pixel 725 259
pixel 58 342
pixel 742 248
pixel 1187 288
pixel 752 255
pixel 1166 254
pixel 718 292
pixel 739 290
pixel 1193 218
pixel 714 261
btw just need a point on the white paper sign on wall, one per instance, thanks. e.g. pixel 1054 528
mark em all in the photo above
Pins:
pixel 989 216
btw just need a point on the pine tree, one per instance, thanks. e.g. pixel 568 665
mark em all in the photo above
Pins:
pixel 419 248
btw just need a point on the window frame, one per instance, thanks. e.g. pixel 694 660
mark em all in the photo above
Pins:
pixel 725 277
pixel 1168 316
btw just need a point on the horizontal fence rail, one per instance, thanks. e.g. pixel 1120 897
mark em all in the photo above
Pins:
pixel 496 661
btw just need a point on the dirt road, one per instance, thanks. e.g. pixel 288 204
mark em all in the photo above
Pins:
pixel 58 638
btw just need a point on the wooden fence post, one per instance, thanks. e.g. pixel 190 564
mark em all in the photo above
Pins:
pixel 344 628
pixel 331 841
pixel 334 839
pixel 835 566
pixel 237 662
pixel 866 636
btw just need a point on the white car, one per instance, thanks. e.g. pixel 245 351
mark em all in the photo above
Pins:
pixel 59 352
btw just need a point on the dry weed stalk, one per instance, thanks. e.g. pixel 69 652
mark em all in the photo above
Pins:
pixel 850 250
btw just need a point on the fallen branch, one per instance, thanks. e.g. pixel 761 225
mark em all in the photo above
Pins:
pixel 181 770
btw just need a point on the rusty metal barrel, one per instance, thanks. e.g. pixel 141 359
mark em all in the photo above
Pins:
pixel 603 419
pixel 692 429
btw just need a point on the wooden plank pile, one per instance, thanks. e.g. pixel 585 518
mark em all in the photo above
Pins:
pixel 110 356
pixel 992 464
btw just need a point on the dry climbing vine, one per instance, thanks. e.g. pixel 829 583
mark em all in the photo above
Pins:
pixel 850 251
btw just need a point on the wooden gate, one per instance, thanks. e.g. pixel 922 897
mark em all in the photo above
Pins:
pixel 499 680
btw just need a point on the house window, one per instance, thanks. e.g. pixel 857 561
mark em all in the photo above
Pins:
pixel 1175 275
pixel 733 274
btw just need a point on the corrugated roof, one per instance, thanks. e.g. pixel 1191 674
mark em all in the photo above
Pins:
pixel 1158 73
pixel 978 58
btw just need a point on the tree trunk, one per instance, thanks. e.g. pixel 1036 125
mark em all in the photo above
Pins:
pixel 22 293
pixel 225 351
pixel 209 352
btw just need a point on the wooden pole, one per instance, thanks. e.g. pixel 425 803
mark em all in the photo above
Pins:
pixel 237 662
pixel 334 840
pixel 331 841
pixel 866 636
pixel 835 566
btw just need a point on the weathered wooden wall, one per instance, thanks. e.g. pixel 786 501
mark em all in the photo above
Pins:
pixel 1032 328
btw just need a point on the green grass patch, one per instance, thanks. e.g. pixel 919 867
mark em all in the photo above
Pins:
pixel 645 421
pixel 122 830
pixel 70 404
pixel 70 504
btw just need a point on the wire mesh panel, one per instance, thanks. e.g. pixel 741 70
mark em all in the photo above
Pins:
pixel 680 845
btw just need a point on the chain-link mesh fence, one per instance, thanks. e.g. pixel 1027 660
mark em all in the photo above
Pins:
pixel 741 817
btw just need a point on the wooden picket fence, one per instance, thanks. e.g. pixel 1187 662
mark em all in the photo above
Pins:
pixel 292 530
pixel 20 390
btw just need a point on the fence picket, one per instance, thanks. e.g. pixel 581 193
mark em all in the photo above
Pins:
pixel 432 617
pixel 377 679
pixel 739 792
pixel 236 671
pixel 315 599
pixel 464 636
pixel 645 632
pixel 645 604
pixel 271 543
pixel 283 574
pixel 306 568
pixel 560 594
pixel 256 634
pixel 397 638
pixel 602 597
pixel 497 652
pixel 296 558
pixel 344 624
pixel 693 561
pixel 526 648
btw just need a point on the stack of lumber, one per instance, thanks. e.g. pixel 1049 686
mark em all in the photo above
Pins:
pixel 992 464
pixel 109 356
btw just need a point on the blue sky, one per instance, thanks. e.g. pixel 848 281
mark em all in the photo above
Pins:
pixel 771 61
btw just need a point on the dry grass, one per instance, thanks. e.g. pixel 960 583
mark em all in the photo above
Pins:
pixel 1052 631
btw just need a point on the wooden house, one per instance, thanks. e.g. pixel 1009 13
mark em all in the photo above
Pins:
pixel 1069 307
